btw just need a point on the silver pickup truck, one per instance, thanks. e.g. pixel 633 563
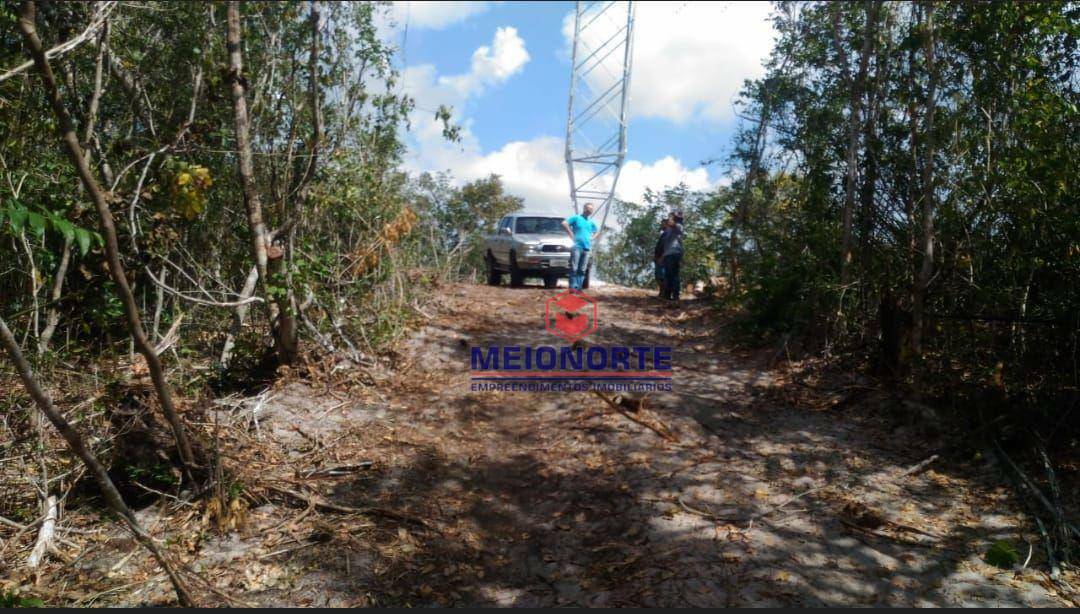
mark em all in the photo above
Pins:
pixel 528 245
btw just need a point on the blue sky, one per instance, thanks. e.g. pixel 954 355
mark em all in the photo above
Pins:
pixel 504 68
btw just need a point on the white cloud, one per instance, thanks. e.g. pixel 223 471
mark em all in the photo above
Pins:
pixel 532 169
pixel 394 21
pixel 664 173
pixel 689 58
pixel 536 169
pixel 434 15
pixel 491 65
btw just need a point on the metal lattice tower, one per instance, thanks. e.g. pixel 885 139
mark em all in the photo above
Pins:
pixel 599 88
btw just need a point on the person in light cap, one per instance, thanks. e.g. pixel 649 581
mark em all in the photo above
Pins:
pixel 583 232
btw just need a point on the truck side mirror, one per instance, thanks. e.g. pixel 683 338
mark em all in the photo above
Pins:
pixel 505 231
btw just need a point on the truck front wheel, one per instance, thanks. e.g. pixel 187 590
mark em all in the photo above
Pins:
pixel 517 278
pixel 494 277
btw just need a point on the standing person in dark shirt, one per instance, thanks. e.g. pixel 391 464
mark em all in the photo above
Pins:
pixel 672 251
pixel 658 257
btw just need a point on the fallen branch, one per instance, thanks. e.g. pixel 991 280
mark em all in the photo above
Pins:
pixel 318 336
pixel 337 471
pixel 1024 484
pixel 293 521
pixel 751 518
pixel 171 336
pixel 11 523
pixel 239 316
pixel 269 555
pixel 355 355
pixel 233 601
pixel 875 533
pixel 917 467
pixel 45 535
pixel 14 540
pixel 1029 485
pixel 704 514
pixel 662 430
pixel 321 503
pixel 322 339
pixel 1062 525
pixel 857 514
pixel 200 301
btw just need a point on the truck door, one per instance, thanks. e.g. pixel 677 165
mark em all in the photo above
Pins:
pixel 504 241
pixel 495 240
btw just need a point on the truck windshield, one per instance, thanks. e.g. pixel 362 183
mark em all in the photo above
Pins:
pixel 538 225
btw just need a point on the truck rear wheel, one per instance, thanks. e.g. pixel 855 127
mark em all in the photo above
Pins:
pixel 551 281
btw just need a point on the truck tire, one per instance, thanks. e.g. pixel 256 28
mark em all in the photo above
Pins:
pixel 517 278
pixel 551 281
pixel 494 277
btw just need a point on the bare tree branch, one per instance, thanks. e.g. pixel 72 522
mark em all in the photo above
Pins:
pixel 101 15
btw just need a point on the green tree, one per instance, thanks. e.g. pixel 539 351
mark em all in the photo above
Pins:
pixel 460 217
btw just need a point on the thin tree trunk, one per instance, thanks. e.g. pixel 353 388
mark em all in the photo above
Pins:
pixel 95 98
pixel 742 211
pixel 159 303
pixel 52 318
pixel 288 331
pixel 871 156
pixel 243 142
pixel 313 101
pixel 911 187
pixel 1018 326
pixel 35 287
pixel 926 268
pixel 239 316
pixel 856 85
pixel 108 231
pixel 285 335
pixel 78 446
pixel 871 142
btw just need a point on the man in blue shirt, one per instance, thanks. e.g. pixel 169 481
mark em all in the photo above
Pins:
pixel 582 231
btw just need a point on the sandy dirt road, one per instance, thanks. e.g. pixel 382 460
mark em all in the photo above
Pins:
pixel 769 493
